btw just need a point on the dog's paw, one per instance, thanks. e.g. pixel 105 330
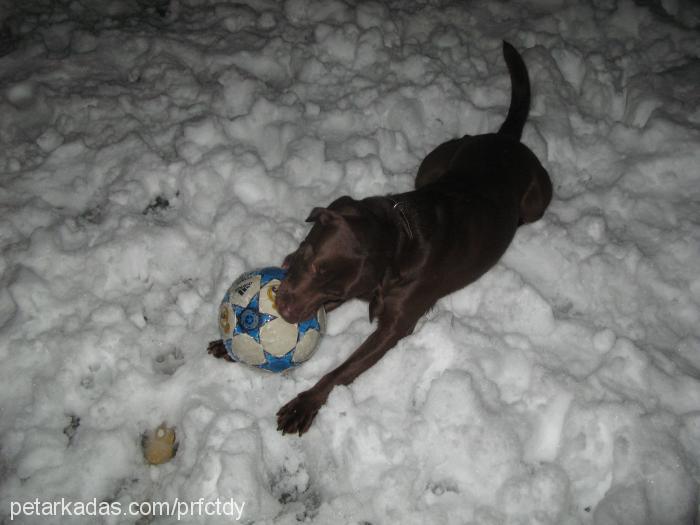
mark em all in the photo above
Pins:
pixel 297 415
pixel 217 349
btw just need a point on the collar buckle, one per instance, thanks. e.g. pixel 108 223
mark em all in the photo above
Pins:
pixel 396 205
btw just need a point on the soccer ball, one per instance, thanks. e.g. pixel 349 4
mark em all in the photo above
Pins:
pixel 253 331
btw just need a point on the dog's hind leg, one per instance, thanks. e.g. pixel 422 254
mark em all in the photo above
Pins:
pixel 436 162
pixel 536 198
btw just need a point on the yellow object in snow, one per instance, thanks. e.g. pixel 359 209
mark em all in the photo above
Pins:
pixel 159 446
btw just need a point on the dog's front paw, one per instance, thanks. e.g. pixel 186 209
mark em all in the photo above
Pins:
pixel 297 415
pixel 217 349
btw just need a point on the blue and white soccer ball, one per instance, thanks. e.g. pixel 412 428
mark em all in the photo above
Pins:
pixel 253 331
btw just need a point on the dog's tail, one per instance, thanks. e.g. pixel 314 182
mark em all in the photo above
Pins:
pixel 519 94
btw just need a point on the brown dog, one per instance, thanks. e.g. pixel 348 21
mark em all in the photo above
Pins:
pixel 404 252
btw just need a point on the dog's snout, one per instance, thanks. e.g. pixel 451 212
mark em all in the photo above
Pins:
pixel 284 303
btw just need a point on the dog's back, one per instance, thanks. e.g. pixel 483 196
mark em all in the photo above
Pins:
pixel 494 163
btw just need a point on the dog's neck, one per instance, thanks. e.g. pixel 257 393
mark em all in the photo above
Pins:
pixel 398 206
pixel 392 214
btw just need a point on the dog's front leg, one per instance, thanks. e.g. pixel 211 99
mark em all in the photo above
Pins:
pixel 297 415
pixel 218 350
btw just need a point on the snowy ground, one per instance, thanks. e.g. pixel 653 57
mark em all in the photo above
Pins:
pixel 150 152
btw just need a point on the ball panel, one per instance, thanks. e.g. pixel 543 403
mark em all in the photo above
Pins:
pixel 306 347
pixel 266 301
pixel 244 289
pixel 278 337
pixel 310 332
pixel 246 349
pixel 227 319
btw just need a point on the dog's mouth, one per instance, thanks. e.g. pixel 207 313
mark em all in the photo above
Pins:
pixel 294 309
pixel 288 312
pixel 291 308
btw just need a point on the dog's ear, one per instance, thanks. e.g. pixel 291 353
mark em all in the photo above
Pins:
pixel 322 215
pixel 315 214
pixel 338 209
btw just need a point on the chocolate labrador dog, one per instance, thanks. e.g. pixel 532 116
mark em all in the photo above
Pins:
pixel 404 252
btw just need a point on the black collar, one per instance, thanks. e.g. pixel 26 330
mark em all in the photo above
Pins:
pixel 399 207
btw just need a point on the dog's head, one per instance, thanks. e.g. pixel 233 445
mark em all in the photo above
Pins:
pixel 333 263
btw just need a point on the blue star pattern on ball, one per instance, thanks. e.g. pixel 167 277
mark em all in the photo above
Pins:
pixel 310 324
pixel 278 364
pixel 249 319
pixel 255 334
pixel 271 273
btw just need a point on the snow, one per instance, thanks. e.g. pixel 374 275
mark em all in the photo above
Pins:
pixel 153 151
